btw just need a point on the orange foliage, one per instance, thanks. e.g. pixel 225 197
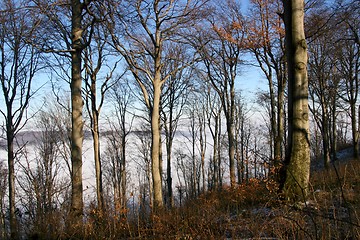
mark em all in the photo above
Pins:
pixel 264 26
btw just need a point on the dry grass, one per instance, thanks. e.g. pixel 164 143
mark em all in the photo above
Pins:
pixel 249 211
pixel 253 211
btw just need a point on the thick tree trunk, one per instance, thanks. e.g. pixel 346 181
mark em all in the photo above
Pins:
pixel 155 147
pixel 76 211
pixel 298 156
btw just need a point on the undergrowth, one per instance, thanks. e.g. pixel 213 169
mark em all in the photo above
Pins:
pixel 249 211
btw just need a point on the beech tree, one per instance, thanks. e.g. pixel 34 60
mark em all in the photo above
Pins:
pixel 265 37
pixel 143 161
pixel 202 123
pixel 66 32
pixel 242 137
pixel 193 136
pixel 324 84
pixel 19 63
pixel 348 62
pixel 297 162
pixel 117 141
pixel 42 179
pixel 173 99
pixel 77 134
pixel 221 56
pixel 213 111
pixel 99 78
pixel 141 37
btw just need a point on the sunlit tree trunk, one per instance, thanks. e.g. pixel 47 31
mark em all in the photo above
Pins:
pixel 298 155
pixel 76 211
pixel 155 143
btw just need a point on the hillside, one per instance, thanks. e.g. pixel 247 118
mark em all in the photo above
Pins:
pixel 254 211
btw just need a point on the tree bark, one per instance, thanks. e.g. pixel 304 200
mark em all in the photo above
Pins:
pixel 155 144
pixel 123 164
pixel 76 211
pixel 354 128
pixel 11 177
pixel 169 131
pixel 298 155
pixel 98 169
pixel 231 139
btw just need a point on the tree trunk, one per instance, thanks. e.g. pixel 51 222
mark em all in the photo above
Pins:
pixel 231 139
pixel 98 171
pixel 219 153
pixel 298 156
pixel 11 177
pixel 123 168
pixel 202 141
pixel 169 177
pixel 215 156
pixel 326 135
pixel 354 129
pixel 169 142
pixel 280 126
pixel 273 123
pixel 333 137
pixel 193 158
pixel 76 210
pixel 230 130
pixel 155 146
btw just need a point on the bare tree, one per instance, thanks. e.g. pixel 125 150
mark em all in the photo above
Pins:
pixel 174 97
pixel 323 83
pixel 347 53
pixel 141 37
pixel 221 56
pixel 117 141
pixel 265 37
pixel 42 180
pixel 143 160
pixel 19 64
pixel 77 134
pixel 202 123
pixel 66 33
pixel 192 137
pixel 96 58
pixel 243 134
pixel 213 111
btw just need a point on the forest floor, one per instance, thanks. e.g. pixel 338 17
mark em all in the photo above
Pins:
pixel 254 210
